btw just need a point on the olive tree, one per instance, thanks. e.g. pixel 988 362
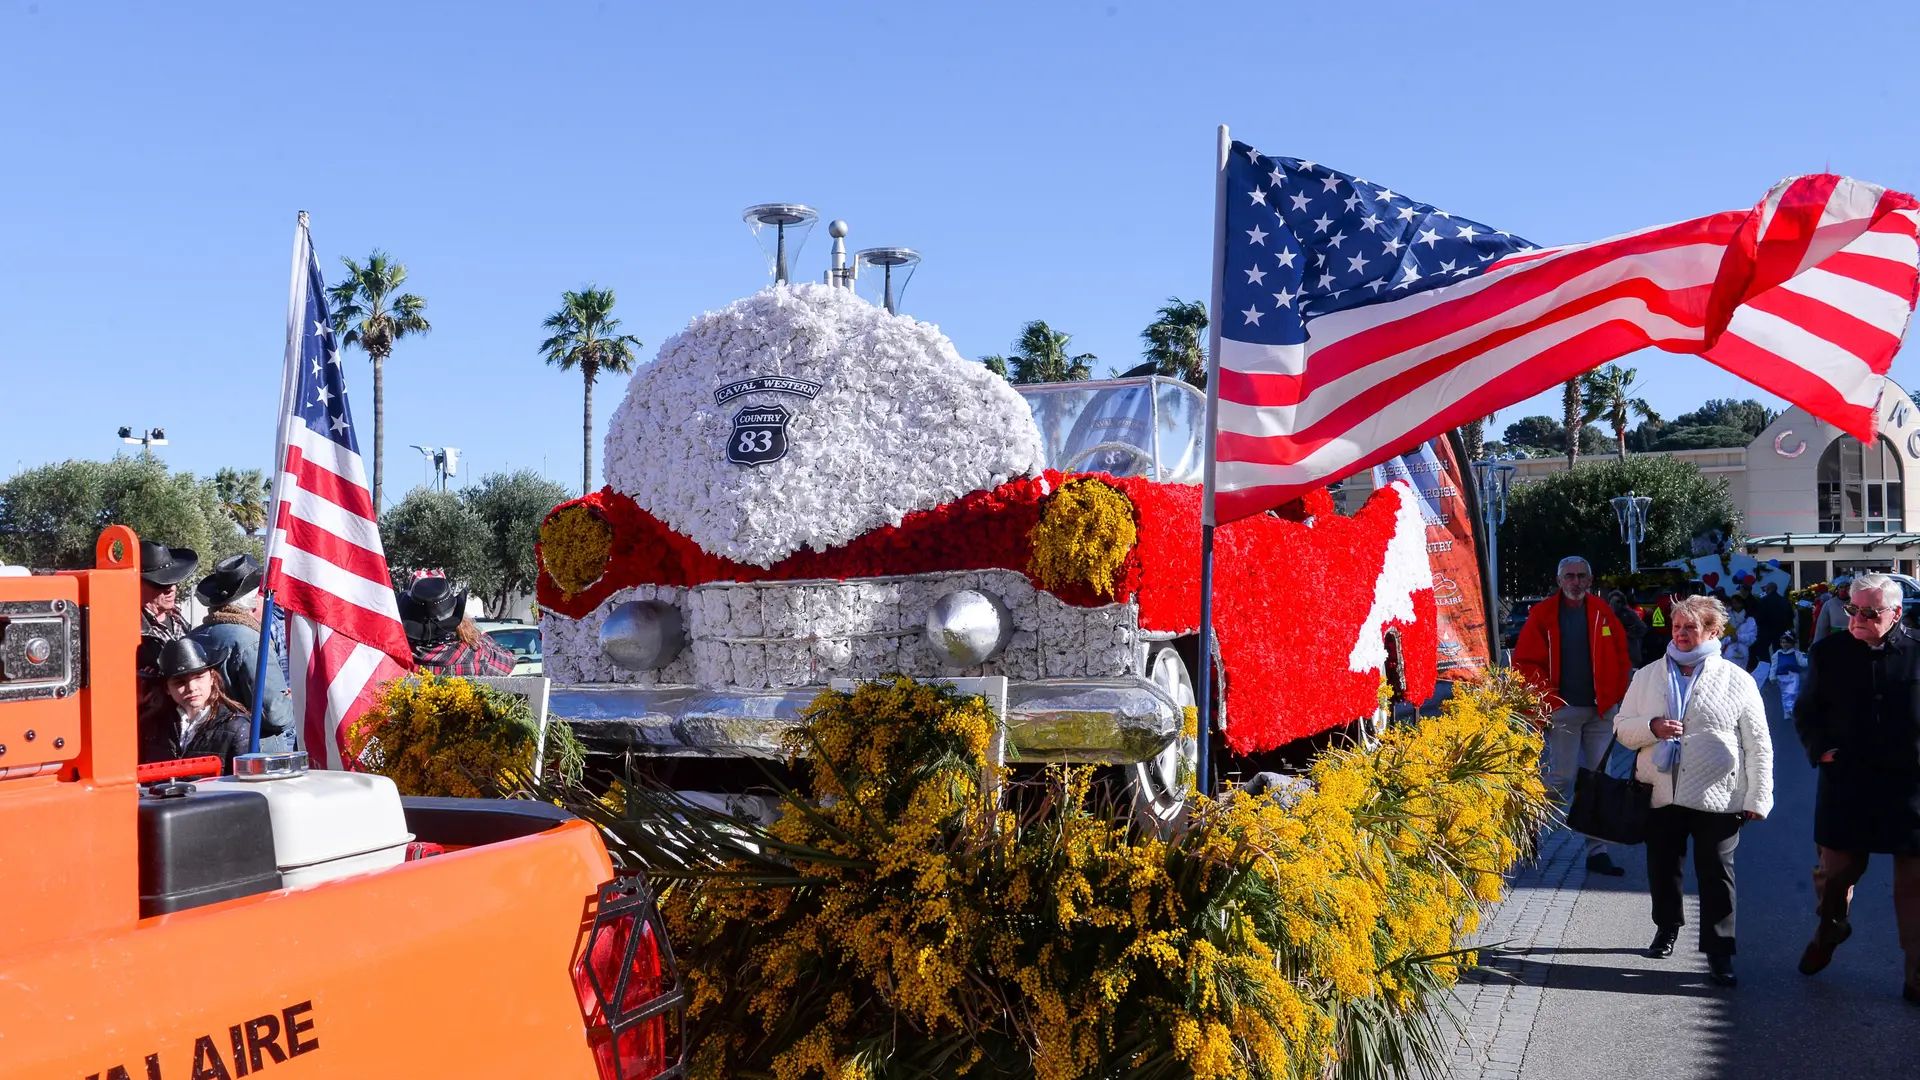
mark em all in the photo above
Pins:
pixel 1570 513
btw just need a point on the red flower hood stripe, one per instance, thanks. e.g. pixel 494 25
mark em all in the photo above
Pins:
pixel 1292 588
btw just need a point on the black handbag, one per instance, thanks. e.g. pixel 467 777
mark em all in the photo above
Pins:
pixel 1609 807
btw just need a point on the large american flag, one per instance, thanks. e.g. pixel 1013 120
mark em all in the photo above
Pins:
pixel 326 566
pixel 1356 322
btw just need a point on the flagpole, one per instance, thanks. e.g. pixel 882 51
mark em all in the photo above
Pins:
pixel 302 255
pixel 1204 697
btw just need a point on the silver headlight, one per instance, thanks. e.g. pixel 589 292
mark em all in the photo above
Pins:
pixel 642 635
pixel 967 628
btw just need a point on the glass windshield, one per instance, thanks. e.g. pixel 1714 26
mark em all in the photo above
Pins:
pixel 1128 427
pixel 519 640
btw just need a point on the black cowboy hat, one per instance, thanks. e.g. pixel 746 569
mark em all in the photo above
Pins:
pixel 162 565
pixel 233 576
pixel 185 656
pixel 431 609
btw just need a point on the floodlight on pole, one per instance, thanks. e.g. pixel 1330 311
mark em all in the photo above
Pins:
pixel 1494 479
pixel 146 440
pixel 1631 511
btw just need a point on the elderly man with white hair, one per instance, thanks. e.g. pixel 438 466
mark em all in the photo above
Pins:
pixel 1573 651
pixel 1858 715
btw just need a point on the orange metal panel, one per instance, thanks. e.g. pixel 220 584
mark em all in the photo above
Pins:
pixel 69 861
pixel 458 965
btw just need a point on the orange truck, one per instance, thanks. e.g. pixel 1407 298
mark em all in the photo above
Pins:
pixel 221 928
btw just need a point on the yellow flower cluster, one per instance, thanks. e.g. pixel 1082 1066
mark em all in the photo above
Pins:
pixel 1085 533
pixel 446 735
pixel 575 544
pixel 921 910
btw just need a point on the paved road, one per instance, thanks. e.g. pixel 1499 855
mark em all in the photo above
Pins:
pixel 1569 995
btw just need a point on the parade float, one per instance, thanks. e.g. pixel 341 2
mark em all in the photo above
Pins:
pixel 807 490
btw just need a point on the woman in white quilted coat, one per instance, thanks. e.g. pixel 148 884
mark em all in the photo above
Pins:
pixel 1701 731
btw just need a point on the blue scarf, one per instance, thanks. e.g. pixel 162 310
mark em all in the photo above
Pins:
pixel 1666 753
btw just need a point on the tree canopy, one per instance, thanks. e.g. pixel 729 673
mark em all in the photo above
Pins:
pixel 1040 356
pixel 434 530
pixel 511 507
pixel 50 516
pixel 1569 513
pixel 481 537
pixel 1543 436
pixel 1176 341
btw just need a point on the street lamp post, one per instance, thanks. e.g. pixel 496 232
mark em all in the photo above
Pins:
pixel 1631 509
pixel 1494 479
pixel 146 440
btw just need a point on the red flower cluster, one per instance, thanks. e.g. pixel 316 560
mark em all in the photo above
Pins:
pixel 1291 588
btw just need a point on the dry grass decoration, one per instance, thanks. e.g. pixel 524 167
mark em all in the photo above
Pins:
pixel 917 913
pixel 1083 538
pixel 575 544
pixel 446 735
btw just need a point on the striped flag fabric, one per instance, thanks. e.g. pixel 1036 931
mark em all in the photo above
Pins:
pixel 1356 322
pixel 326 567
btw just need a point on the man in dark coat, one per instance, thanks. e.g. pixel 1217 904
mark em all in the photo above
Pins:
pixel 231 593
pixel 1858 716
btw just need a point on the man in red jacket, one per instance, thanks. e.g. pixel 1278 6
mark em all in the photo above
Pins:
pixel 1574 653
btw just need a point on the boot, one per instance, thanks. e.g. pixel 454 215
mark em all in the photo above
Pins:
pixel 1663 940
pixel 1826 938
pixel 1720 970
pixel 1604 864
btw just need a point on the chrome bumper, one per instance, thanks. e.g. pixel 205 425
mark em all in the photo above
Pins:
pixel 1114 721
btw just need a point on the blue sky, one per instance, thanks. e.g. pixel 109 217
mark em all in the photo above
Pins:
pixel 1051 160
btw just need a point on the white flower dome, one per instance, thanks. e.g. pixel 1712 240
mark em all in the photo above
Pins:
pixel 803 417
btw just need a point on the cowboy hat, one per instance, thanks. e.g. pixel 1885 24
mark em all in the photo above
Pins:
pixel 161 565
pixel 231 578
pixel 185 656
pixel 430 610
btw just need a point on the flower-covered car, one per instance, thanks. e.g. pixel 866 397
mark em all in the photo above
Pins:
pixel 803 488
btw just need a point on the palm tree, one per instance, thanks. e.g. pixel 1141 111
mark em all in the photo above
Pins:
pixel 367 314
pixel 1473 435
pixel 1609 394
pixel 1040 356
pixel 1176 342
pixel 243 494
pixel 1570 403
pixel 584 337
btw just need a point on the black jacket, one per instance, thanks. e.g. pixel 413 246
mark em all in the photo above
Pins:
pixel 1864 704
pixel 226 733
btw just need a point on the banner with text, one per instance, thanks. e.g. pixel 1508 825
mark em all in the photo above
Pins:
pixel 1434 472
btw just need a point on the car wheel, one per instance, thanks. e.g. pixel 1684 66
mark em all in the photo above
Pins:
pixel 1161 783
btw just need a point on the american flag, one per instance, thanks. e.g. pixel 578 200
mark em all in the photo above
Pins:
pixel 1356 322
pixel 326 567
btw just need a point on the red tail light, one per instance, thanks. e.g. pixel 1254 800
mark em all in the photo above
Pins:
pixel 629 989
